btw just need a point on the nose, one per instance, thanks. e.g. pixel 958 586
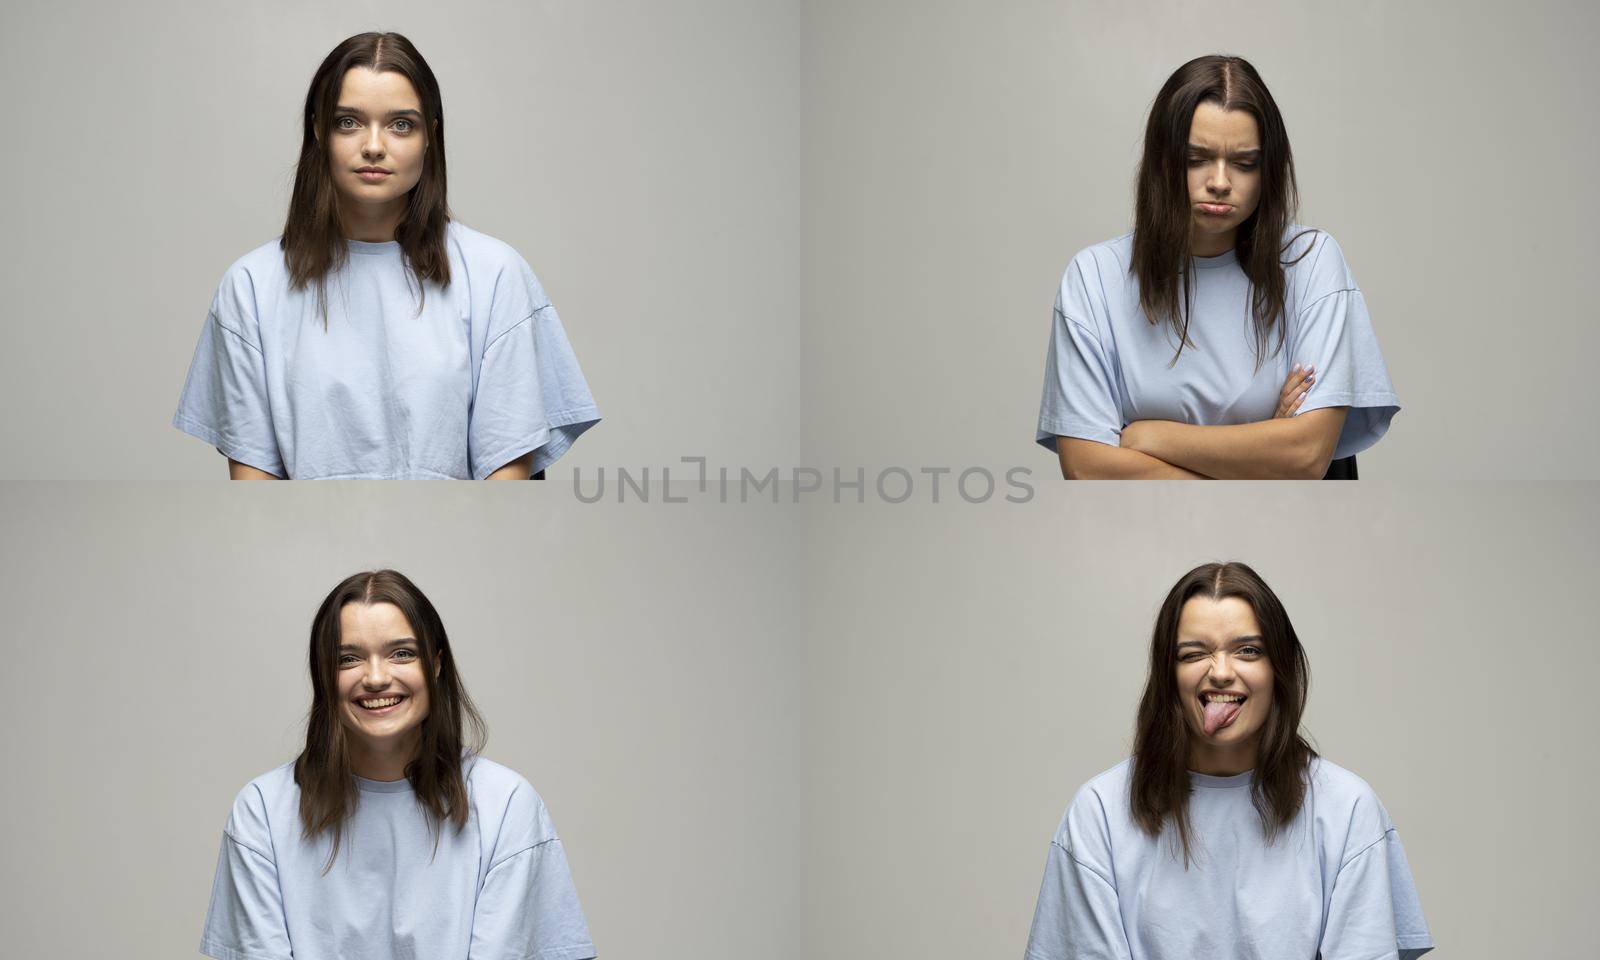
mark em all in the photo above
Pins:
pixel 1221 672
pixel 1217 179
pixel 376 675
pixel 372 149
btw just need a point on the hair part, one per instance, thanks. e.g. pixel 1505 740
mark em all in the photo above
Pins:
pixel 328 792
pixel 1161 785
pixel 313 241
pixel 1162 236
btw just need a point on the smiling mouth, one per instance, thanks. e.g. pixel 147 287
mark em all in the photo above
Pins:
pixel 379 703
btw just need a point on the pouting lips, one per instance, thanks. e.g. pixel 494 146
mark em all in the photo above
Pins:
pixel 1220 713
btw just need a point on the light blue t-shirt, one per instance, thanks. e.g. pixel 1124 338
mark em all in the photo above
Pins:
pixel 1109 366
pixel 500 890
pixel 1333 885
pixel 484 375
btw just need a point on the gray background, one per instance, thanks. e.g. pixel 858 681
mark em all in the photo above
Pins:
pixel 969 667
pixel 640 670
pixel 820 731
pixel 643 157
pixel 958 154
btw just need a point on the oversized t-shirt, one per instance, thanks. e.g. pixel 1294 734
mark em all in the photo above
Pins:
pixel 500 890
pixel 1333 885
pixel 482 376
pixel 1108 365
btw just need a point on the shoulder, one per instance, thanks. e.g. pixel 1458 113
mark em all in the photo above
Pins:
pixel 1106 259
pixel 259 268
pixel 497 787
pixel 1315 260
pixel 509 809
pixel 273 784
pixel 1346 802
pixel 480 250
pixel 257 804
pixel 1102 799
pixel 1333 781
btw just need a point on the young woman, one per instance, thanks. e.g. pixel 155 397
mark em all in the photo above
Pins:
pixel 389 836
pixel 1226 835
pixel 427 349
pixel 1260 361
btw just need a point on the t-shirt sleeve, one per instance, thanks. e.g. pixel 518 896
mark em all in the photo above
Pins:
pixel 528 907
pixel 1374 910
pixel 245 920
pixel 224 400
pixel 1333 333
pixel 1080 398
pixel 530 394
pixel 1078 916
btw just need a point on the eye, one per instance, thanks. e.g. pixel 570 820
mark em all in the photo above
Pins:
pixel 407 127
pixel 406 653
pixel 339 123
pixel 347 658
pixel 1252 651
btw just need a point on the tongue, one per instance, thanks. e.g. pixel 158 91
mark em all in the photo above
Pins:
pixel 1219 715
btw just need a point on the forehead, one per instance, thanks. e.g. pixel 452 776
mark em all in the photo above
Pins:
pixel 362 624
pixel 1216 621
pixel 375 91
pixel 1222 129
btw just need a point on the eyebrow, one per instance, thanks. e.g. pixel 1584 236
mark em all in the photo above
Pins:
pixel 1207 151
pixel 408 112
pixel 1236 641
pixel 350 648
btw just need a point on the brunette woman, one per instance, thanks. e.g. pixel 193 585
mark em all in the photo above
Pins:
pixel 378 337
pixel 1225 834
pixel 1218 338
pixel 390 836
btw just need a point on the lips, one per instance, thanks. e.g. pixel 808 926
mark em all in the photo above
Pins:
pixel 1217 208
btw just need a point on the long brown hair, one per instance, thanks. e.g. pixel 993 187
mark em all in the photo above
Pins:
pixel 313 241
pixel 1162 245
pixel 328 793
pixel 1160 786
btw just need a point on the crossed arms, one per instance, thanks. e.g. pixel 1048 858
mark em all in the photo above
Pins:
pixel 1286 447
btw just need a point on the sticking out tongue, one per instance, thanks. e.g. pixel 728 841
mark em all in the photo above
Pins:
pixel 1219 714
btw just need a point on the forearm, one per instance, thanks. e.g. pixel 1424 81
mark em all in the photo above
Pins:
pixel 243 471
pixel 518 469
pixel 1088 460
pixel 1287 448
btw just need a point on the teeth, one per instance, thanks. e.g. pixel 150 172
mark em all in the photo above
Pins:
pixel 374 704
pixel 1221 698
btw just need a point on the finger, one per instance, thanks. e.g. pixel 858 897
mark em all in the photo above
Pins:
pixel 1292 384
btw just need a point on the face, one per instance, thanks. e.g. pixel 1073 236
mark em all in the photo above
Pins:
pixel 1224 678
pixel 377 123
pixel 1224 162
pixel 383 695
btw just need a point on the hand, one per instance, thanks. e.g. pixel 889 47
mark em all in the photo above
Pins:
pixel 1294 390
pixel 1132 434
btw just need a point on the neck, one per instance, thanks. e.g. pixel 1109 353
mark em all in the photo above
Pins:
pixel 382 761
pixel 369 223
pixel 1212 244
pixel 1222 761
